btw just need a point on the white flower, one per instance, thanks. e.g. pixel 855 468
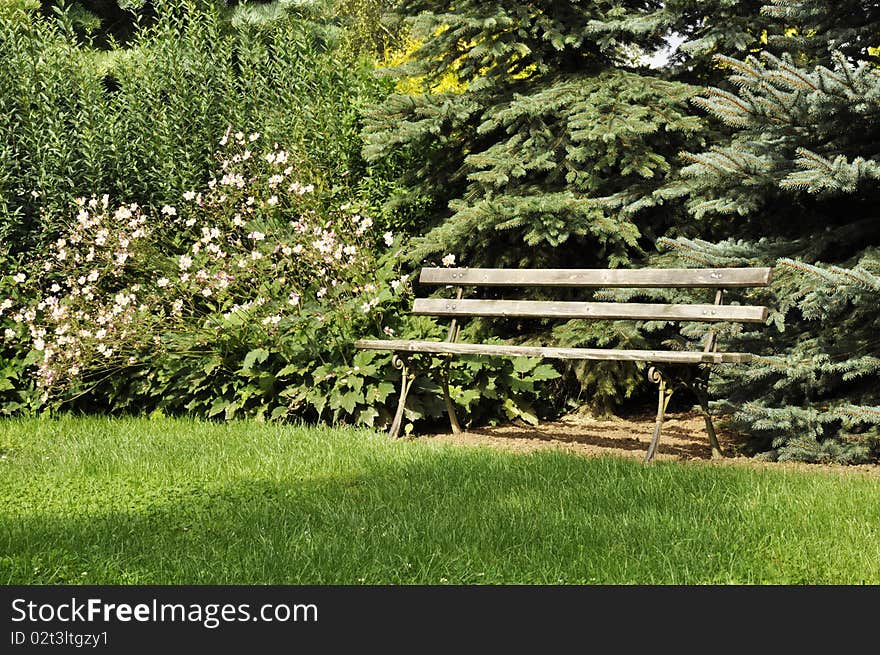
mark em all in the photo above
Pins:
pixel 272 320
pixel 272 201
pixel 395 284
pixel 389 238
pixel 387 330
pixel 321 292
pixel 168 210
pixel 185 262
pixel 92 276
pixel 189 195
pixel 6 304
pixel 293 299
pixel 162 282
pixel 449 260
pixel 254 136
pixel 9 333
pixel 256 236
pixel 18 278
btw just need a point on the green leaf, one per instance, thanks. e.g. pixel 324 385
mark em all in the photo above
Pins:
pixel 379 392
pixel 257 355
pixel 524 411
pixel 218 406
pixel 348 401
pixel 212 364
pixel 231 408
pixel 544 372
pixel 288 370
pixel 524 364
pixel 266 382
pixel 468 397
pixel 367 416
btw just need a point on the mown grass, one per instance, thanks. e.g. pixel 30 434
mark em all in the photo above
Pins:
pixel 111 501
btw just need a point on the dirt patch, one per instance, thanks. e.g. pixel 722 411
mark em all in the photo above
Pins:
pixel 683 439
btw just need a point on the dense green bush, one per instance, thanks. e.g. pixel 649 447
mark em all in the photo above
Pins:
pixel 242 300
pixel 140 123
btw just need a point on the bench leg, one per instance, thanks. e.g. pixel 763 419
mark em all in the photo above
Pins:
pixel 703 398
pixel 406 380
pixel 663 396
pixel 450 408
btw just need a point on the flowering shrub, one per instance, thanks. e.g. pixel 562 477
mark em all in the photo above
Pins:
pixel 242 299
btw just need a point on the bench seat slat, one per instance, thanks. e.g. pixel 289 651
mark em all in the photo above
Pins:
pixel 597 277
pixel 589 310
pixel 446 347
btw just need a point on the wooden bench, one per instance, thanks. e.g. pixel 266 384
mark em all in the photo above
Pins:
pixel 718 279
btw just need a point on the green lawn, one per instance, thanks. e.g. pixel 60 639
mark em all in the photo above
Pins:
pixel 101 501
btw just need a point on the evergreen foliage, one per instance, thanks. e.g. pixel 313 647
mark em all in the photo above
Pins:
pixel 796 185
pixel 549 115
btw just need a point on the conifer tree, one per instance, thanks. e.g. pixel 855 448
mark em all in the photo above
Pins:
pixel 528 113
pixel 796 185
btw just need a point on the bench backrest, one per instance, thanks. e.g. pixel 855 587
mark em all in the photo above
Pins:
pixel 648 278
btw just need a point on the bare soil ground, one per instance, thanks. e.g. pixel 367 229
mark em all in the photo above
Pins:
pixel 683 439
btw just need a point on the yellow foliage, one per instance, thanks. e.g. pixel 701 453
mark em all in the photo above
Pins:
pixel 418 85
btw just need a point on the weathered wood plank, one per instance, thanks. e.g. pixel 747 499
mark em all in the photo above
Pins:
pixel 445 347
pixel 589 310
pixel 597 277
